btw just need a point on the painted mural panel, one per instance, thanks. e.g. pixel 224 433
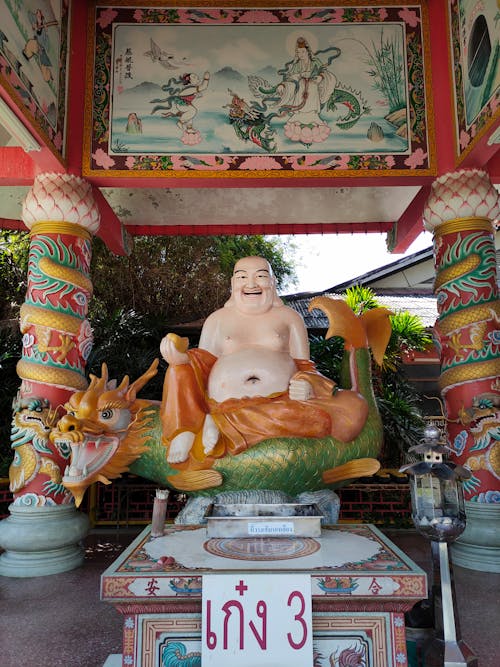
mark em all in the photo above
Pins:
pixel 33 62
pixel 475 30
pixel 192 90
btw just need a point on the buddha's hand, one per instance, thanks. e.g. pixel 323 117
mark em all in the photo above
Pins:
pixel 173 349
pixel 300 390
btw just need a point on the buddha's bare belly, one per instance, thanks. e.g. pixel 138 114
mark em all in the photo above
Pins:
pixel 252 371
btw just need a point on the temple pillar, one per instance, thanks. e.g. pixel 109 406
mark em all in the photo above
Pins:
pixel 460 212
pixel 43 532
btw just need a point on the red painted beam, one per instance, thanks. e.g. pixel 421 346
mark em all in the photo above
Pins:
pixel 16 166
pixel 482 152
pixel 9 223
pixel 410 224
pixel 261 228
pixel 493 167
pixel 443 98
pixel 111 230
pixel 114 244
pixel 76 86
pixel 46 158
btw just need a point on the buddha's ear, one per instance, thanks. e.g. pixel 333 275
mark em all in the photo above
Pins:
pixel 230 301
pixel 276 301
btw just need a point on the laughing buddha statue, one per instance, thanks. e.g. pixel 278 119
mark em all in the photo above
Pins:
pixel 250 379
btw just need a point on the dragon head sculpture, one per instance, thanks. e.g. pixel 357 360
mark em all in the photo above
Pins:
pixel 104 428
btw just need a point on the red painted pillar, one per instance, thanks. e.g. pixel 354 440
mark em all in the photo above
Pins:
pixel 460 212
pixel 61 215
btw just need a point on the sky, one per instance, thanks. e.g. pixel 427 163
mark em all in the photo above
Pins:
pixel 322 261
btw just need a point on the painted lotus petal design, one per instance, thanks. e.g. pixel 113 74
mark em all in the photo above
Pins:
pixel 61 197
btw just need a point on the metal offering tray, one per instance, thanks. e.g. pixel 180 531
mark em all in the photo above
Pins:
pixel 259 520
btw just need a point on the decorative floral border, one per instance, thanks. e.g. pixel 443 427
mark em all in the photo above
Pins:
pixel 98 159
pixel 467 136
pixel 12 80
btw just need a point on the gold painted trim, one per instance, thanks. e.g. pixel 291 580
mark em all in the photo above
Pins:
pixel 479 313
pixel 27 370
pixel 468 373
pixel 59 227
pixel 456 225
pixel 273 174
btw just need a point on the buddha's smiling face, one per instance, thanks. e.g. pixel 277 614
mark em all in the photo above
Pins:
pixel 253 285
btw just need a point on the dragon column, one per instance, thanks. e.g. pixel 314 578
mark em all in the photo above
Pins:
pixel 61 215
pixel 42 533
pixel 460 212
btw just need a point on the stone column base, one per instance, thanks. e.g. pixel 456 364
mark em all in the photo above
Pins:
pixel 478 548
pixel 42 540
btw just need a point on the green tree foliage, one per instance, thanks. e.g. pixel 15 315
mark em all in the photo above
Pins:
pixel 178 278
pixel 14 250
pixel 10 352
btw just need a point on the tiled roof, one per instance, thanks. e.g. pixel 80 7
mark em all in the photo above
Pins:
pixel 423 306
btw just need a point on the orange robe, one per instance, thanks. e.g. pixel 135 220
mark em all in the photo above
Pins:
pixel 243 422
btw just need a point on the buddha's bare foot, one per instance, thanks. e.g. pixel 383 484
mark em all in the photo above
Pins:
pixel 180 447
pixel 210 434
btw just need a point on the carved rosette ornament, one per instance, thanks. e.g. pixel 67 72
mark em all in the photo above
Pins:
pixel 461 212
pixel 61 214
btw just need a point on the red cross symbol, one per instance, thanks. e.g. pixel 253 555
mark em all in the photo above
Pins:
pixel 241 588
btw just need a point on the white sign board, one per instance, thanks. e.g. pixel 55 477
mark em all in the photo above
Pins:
pixel 256 619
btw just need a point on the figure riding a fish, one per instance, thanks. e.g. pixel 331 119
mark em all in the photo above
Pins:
pixel 246 410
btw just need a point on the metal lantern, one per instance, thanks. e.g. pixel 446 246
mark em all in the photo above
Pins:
pixel 438 513
pixel 438 509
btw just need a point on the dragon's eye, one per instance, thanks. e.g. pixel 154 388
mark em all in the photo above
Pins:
pixel 107 414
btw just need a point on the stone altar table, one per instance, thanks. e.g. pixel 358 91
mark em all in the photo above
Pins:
pixel 361 586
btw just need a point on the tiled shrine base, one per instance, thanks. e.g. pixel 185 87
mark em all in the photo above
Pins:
pixel 361 586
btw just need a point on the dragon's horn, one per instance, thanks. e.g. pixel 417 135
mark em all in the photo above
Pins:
pixel 342 320
pixel 100 384
pixel 378 330
pixel 138 384
pixel 123 385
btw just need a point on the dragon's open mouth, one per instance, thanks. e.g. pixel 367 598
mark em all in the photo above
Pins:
pixel 88 456
pixel 30 419
pixel 481 421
